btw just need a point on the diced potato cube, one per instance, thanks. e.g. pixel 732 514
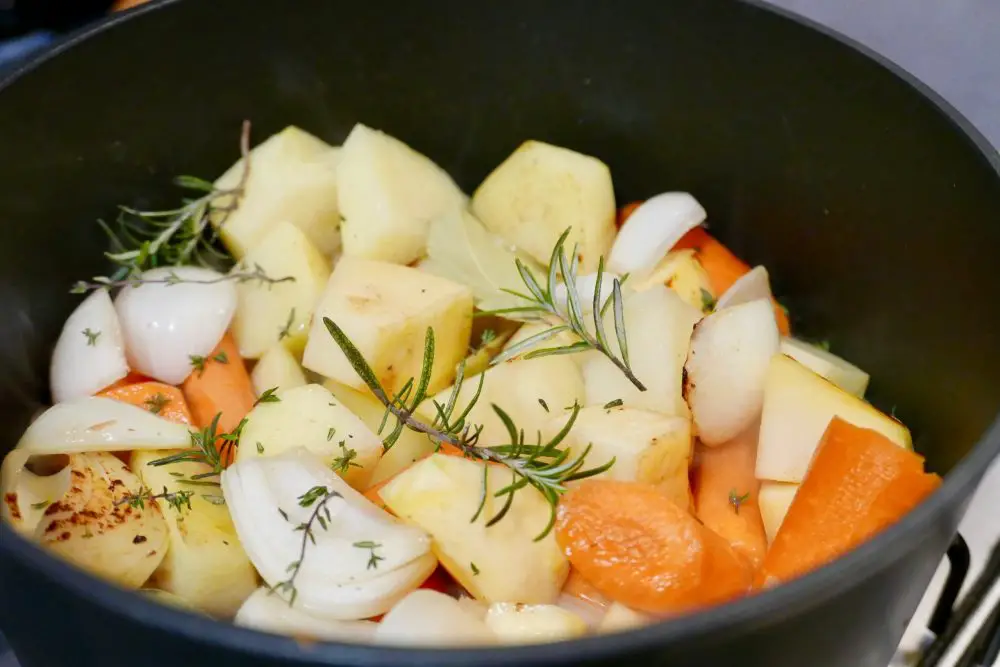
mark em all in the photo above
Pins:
pixel 647 447
pixel 502 563
pixel 533 623
pixel 842 373
pixel 542 190
pixel 292 177
pixel 389 194
pixel 532 391
pixel 276 369
pixel 205 565
pixel 798 406
pixel 774 499
pixel 279 313
pixel 411 446
pixel 681 271
pixel 658 327
pixel 311 417
pixel 385 310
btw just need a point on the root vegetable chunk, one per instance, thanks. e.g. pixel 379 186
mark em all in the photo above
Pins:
pixel 647 447
pixel 798 407
pixel 642 550
pixel 292 177
pixel 389 194
pixel 860 483
pixel 502 563
pixel 540 191
pixel 385 310
pixel 268 314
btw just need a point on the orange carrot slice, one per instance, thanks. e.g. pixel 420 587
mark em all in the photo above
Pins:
pixel 724 268
pixel 725 495
pixel 130 379
pixel 859 483
pixel 222 387
pixel 639 548
pixel 164 400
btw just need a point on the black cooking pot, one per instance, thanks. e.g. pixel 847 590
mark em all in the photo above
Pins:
pixel 872 202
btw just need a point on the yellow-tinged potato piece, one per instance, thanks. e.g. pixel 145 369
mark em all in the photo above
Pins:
pixel 798 406
pixel 620 618
pixel 205 565
pixel 533 623
pixel 648 447
pixel 658 325
pixel 534 392
pixel 385 310
pixel 774 499
pixel 681 271
pixel 311 417
pixel 87 526
pixel 292 177
pixel 409 448
pixel 276 368
pixel 842 373
pixel 542 190
pixel 388 195
pixel 279 313
pixel 502 563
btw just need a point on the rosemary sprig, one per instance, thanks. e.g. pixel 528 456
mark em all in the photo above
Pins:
pixel 543 305
pixel 541 465
pixel 317 497
pixel 178 500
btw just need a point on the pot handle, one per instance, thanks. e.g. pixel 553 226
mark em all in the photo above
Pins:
pixel 958 569
pixel 957 616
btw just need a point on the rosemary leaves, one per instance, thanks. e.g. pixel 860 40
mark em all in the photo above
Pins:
pixel 540 465
pixel 542 304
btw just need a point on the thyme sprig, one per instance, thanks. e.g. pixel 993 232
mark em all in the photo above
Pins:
pixel 256 274
pixel 317 497
pixel 542 304
pixel 209 447
pixel 541 465
pixel 178 500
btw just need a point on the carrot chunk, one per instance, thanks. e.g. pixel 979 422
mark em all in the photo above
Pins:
pixel 626 211
pixel 162 399
pixel 860 482
pixel 221 387
pixel 637 547
pixel 725 495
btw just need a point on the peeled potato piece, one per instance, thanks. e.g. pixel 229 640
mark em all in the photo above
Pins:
pixel 94 529
pixel 429 618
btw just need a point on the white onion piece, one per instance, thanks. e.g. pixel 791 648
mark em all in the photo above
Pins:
pixel 749 287
pixel 90 352
pixel 586 285
pixel 727 362
pixel 268 612
pixel 100 424
pixel 428 618
pixel 335 580
pixel 164 324
pixel 652 230
pixel 26 495
pixel 590 612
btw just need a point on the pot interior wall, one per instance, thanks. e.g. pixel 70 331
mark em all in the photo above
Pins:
pixel 877 220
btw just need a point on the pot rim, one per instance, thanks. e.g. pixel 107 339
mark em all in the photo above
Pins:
pixel 794 597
